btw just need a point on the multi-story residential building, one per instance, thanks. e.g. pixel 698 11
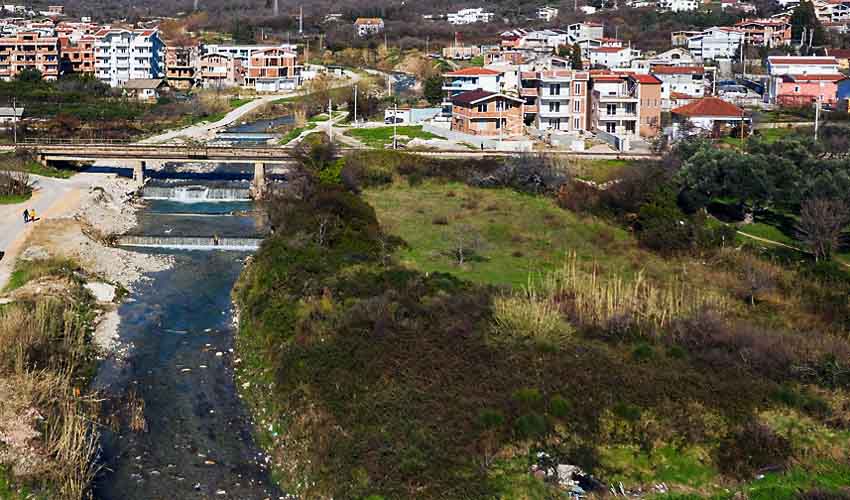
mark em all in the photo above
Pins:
pixel 470 16
pixel 625 105
pixel 555 99
pixel 799 81
pixel 461 52
pixel 547 13
pixel 680 38
pixel 122 55
pixel 585 31
pixel 765 32
pixel 612 57
pixel 716 43
pixel 674 57
pixel 842 56
pixel 181 66
pixel 738 5
pixel 27 50
pixel 366 26
pixel 77 54
pixel 467 79
pixel 679 5
pixel 220 71
pixel 273 70
pixel 242 52
pixel 678 82
pixel 482 113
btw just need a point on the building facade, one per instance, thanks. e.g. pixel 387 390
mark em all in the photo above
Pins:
pixel 716 43
pixel 273 70
pixel 29 51
pixel 801 81
pixel 365 26
pixel 555 100
pixel 220 71
pixel 181 66
pixel 77 55
pixel 123 55
pixel 483 113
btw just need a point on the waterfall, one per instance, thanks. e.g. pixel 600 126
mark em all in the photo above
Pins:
pixel 189 194
pixel 191 242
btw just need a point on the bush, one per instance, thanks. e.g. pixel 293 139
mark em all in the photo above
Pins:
pixel 559 407
pixel 531 426
pixel 663 228
pixel 754 448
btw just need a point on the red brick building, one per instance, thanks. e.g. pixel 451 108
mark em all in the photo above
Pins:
pixel 478 112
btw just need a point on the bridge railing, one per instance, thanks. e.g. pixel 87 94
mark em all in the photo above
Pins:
pixel 53 141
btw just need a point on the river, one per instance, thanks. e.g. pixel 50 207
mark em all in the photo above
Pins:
pixel 177 329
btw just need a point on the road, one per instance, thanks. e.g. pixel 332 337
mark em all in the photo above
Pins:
pixel 206 131
pixel 51 198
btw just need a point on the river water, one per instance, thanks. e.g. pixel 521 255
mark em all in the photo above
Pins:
pixel 177 330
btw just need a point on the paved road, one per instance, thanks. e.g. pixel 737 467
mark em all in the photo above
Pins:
pixel 51 198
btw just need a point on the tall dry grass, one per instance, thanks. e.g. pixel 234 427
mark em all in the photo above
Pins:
pixel 590 299
pixel 528 316
pixel 45 349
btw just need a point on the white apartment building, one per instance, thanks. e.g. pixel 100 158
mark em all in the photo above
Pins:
pixel 679 5
pixel 716 43
pixel 243 53
pixel 122 55
pixel 470 16
pixel 547 13
pixel 679 82
pixel 801 65
pixel 555 100
pixel 466 79
pixel 613 57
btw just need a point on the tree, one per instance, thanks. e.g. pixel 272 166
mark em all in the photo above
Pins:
pixel 804 21
pixel 575 57
pixel 29 75
pixel 822 226
pixel 433 89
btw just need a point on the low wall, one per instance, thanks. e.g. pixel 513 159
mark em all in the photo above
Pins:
pixel 191 243
pixel 478 141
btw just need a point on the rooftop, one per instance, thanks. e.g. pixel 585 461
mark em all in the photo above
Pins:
pixel 801 60
pixel 709 106
pixel 474 72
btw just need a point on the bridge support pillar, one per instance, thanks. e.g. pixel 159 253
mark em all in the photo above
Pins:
pixel 139 172
pixel 258 186
pixel 42 160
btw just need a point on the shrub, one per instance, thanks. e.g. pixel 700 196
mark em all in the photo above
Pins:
pixel 531 426
pixel 559 407
pixel 753 448
pixel 528 317
pixel 527 398
pixel 490 419
pixel 663 228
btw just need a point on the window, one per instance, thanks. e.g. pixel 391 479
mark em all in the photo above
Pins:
pixel 577 90
pixel 611 109
pixel 577 123
pixel 482 108
pixel 610 127
pixel 796 88
pixel 555 89
pixel 577 106
pixel 630 127
pixel 631 108
pixel 554 107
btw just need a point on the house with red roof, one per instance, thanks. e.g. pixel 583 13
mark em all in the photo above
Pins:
pixel 710 115
pixel 801 81
pixel 466 79
pixel 627 105
pixel 842 56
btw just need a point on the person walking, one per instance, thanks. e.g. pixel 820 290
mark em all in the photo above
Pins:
pixel 33 218
pixel 26 216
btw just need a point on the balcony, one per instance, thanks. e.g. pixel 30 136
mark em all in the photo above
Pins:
pixel 529 91
pixel 564 112
pixel 617 98
pixel 563 96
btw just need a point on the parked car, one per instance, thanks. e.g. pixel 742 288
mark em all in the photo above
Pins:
pixel 393 119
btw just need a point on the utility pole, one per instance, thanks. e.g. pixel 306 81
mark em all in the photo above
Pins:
pixel 395 126
pixel 355 104
pixel 301 20
pixel 276 8
pixel 14 120
pixel 817 116
pixel 501 125
pixel 330 120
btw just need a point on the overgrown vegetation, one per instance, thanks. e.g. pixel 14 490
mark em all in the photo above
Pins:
pixel 48 441
pixel 371 375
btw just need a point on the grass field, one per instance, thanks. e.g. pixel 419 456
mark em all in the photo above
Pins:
pixel 520 234
pixel 379 137
pixel 600 171
pixel 13 199
pixel 768 232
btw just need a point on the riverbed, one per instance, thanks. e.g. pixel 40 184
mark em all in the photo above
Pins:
pixel 194 437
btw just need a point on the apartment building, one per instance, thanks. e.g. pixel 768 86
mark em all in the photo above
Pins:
pixel 77 55
pixel 679 82
pixel 470 16
pixel 612 57
pixel 181 66
pixel 555 99
pixel 27 50
pixel 614 105
pixel 679 5
pixel 122 55
pixel 585 31
pixel 482 113
pixel 765 32
pixel 547 13
pixel 220 71
pixel 800 81
pixel 273 70
pixel 716 43
pixel 242 52
pixel 468 79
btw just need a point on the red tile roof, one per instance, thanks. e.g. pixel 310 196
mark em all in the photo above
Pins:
pixel 802 60
pixel 709 106
pixel 677 70
pixel 475 96
pixel 646 79
pixel 837 77
pixel 839 53
pixel 474 72
pixel 609 50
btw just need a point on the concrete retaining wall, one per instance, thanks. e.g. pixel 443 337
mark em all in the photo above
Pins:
pixel 478 141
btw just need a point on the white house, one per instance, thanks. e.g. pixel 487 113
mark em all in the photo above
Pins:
pixel 547 13
pixel 709 114
pixel 716 43
pixel 584 31
pixel 673 57
pixel 679 5
pixel 470 16
pixel 613 57
pixel 366 26
pixel 679 82
pixel 123 55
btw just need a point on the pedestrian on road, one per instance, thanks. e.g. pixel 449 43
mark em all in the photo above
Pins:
pixel 33 218
pixel 26 216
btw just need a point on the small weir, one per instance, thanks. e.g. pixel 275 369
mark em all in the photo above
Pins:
pixel 180 429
